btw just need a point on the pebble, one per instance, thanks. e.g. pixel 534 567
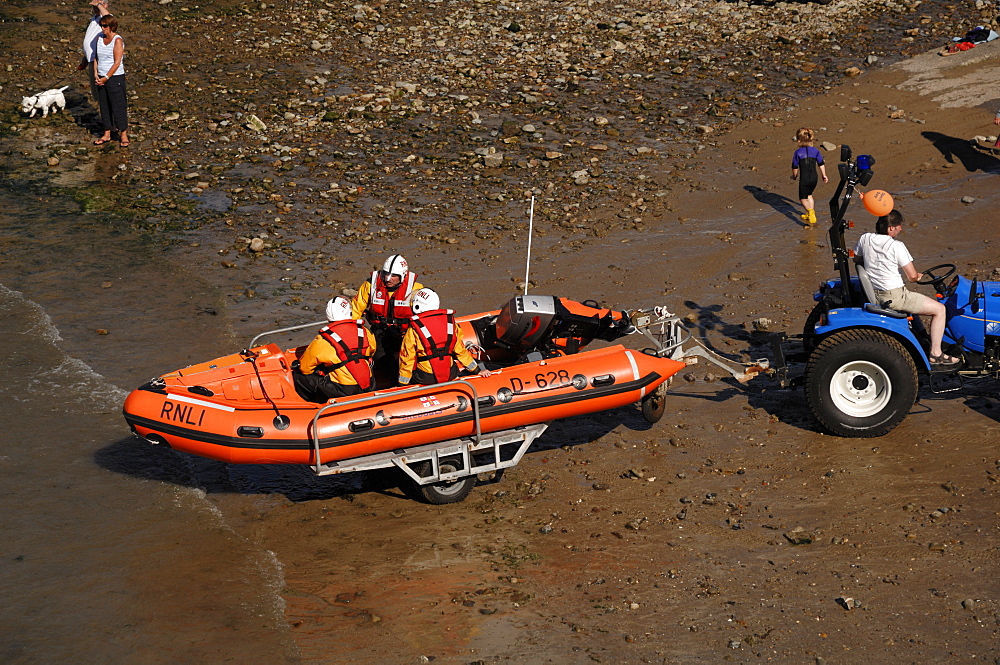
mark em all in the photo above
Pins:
pixel 968 200
pixel 256 123
pixel 968 603
pixel 848 603
pixel 799 536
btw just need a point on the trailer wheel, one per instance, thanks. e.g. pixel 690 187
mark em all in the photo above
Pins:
pixel 438 494
pixel 860 383
pixel 654 404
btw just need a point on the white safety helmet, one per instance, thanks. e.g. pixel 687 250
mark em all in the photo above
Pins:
pixel 425 300
pixel 338 309
pixel 395 265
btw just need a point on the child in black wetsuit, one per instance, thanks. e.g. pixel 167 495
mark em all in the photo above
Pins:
pixel 805 163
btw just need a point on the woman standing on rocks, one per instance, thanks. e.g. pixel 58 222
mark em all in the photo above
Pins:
pixel 109 75
pixel 805 162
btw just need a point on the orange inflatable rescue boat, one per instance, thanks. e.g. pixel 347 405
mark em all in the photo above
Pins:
pixel 243 408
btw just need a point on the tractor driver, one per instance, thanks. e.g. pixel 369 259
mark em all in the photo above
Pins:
pixel 384 300
pixel 883 257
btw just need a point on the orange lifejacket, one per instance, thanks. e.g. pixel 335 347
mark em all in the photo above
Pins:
pixel 436 332
pixel 393 307
pixel 351 342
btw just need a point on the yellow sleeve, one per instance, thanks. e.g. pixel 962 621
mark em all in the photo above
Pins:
pixel 318 353
pixel 359 303
pixel 408 355
pixel 461 352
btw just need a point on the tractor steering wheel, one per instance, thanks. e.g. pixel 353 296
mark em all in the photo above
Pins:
pixel 931 277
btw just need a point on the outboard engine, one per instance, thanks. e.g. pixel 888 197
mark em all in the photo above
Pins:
pixel 555 325
pixel 524 321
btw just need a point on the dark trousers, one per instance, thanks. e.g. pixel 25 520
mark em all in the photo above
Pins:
pixel 427 379
pixel 93 83
pixel 319 389
pixel 388 341
pixel 114 107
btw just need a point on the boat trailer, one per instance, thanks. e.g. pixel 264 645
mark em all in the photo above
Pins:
pixel 446 471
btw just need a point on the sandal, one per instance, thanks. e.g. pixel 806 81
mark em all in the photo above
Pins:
pixel 944 360
pixel 124 144
pixel 102 141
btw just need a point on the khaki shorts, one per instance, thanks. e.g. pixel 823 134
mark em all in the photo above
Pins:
pixel 902 300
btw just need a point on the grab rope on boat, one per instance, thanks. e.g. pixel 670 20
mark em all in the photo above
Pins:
pixel 280 421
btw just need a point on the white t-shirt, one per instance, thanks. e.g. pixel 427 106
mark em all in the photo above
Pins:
pixel 106 56
pixel 882 257
pixel 90 39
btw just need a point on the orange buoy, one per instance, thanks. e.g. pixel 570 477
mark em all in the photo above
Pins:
pixel 878 202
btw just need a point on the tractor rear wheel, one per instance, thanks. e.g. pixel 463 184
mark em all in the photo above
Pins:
pixel 860 383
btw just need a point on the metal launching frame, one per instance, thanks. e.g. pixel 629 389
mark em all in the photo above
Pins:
pixel 474 451
pixel 668 334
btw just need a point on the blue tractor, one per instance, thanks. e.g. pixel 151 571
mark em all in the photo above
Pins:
pixel 863 360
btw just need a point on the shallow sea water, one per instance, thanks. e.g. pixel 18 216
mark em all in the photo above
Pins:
pixel 112 551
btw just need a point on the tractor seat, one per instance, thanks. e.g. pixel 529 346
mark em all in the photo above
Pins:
pixel 872 304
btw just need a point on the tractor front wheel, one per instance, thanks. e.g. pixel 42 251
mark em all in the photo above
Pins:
pixel 860 383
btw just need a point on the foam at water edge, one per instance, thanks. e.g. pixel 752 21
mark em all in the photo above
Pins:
pixel 270 604
pixel 73 383
pixel 67 383
pixel 272 574
pixel 42 324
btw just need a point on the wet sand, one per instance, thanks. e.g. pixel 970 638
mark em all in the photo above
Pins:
pixel 613 541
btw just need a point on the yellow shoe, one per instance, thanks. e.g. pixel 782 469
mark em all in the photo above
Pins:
pixel 805 217
pixel 812 217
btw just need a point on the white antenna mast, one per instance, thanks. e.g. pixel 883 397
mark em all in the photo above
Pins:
pixel 531 228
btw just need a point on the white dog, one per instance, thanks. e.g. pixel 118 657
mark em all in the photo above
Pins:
pixel 50 99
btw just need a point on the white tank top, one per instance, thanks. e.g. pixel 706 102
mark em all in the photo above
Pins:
pixel 106 56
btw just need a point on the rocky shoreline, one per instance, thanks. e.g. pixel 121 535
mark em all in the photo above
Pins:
pixel 329 130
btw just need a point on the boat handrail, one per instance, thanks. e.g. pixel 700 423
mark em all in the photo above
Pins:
pixel 282 330
pixel 368 398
